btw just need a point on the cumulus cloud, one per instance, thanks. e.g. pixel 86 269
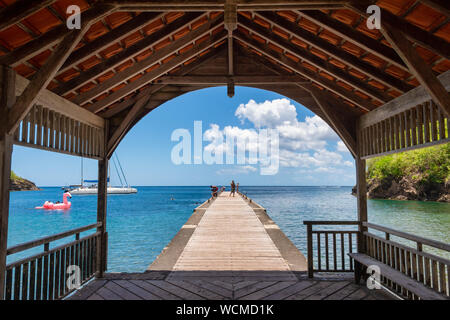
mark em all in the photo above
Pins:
pixel 302 143
pixel 237 170
pixel 341 147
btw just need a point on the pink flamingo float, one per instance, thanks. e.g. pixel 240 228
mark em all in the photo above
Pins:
pixel 58 206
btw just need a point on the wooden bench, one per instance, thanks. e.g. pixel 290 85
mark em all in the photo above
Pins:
pixel 396 276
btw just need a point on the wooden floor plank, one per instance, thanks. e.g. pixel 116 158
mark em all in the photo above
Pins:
pixel 322 294
pixel 139 291
pixel 226 293
pixel 180 292
pixel 146 285
pixel 120 291
pixel 107 294
pixel 203 292
pixel 310 290
pixel 289 291
pixel 260 294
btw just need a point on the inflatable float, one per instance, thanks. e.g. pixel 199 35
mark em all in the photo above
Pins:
pixel 58 206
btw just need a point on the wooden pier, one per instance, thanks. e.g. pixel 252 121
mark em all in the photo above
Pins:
pixel 228 249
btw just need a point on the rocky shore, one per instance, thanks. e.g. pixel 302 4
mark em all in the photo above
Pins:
pixel 406 188
pixel 21 184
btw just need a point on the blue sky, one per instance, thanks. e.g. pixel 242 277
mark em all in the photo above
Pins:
pixel 310 153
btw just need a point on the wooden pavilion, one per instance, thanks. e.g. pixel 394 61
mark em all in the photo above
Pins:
pixel 79 91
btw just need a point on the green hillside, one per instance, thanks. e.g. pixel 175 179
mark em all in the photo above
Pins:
pixel 422 174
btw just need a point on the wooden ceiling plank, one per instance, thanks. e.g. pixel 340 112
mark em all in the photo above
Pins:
pixel 46 73
pixel 335 52
pixel 290 64
pixel 303 54
pixel 412 32
pixel 49 39
pixel 20 10
pixel 154 88
pixel 223 80
pixel 443 6
pixel 421 70
pixel 140 66
pixel 109 38
pixel 360 39
pixel 218 5
pixel 152 75
pixel 127 53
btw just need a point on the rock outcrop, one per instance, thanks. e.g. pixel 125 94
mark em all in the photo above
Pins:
pixel 407 188
pixel 21 184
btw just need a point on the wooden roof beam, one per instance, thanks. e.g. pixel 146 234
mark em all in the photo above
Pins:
pixel 155 87
pixel 50 38
pixel 107 39
pixel 443 6
pixel 154 74
pixel 127 53
pixel 223 80
pixel 156 57
pixel 296 67
pixel 412 32
pixel 335 52
pixel 327 104
pixel 46 73
pixel 417 66
pixel 20 10
pixel 323 65
pixel 360 39
pixel 119 133
pixel 205 5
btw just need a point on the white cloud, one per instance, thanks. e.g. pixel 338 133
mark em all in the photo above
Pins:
pixel 302 143
pixel 341 147
pixel 237 170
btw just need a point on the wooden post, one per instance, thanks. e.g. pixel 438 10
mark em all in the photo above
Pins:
pixel 361 191
pixel 7 78
pixel 310 251
pixel 102 246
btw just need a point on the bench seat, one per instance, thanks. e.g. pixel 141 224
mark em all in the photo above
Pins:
pixel 396 276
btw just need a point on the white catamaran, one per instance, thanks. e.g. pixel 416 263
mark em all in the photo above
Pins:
pixel 92 187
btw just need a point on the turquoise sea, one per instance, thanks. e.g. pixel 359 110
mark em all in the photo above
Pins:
pixel 141 225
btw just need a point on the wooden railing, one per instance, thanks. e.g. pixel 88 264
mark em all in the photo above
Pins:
pixel 430 269
pixel 44 276
pixel 331 247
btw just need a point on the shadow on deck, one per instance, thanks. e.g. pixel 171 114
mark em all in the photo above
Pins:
pixel 226 285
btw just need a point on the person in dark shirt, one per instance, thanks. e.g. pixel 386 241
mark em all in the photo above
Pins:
pixel 233 188
pixel 214 190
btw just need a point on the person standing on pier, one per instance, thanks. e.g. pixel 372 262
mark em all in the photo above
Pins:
pixel 233 188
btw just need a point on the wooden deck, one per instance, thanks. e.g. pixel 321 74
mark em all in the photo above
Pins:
pixel 158 286
pixel 228 249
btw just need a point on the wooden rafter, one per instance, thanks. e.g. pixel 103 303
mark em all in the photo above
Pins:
pixel 335 52
pixel 417 66
pixel 46 73
pixel 50 38
pixel 118 134
pixel 443 6
pixel 119 58
pixel 104 41
pixel 156 57
pixel 327 104
pixel 155 87
pixel 223 80
pixel 304 54
pixel 176 5
pixel 296 67
pixel 412 32
pixel 349 34
pixel 152 75
pixel 19 10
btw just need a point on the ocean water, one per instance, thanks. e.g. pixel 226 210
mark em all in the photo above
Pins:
pixel 141 225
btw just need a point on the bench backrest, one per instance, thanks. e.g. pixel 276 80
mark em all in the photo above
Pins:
pixel 428 268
